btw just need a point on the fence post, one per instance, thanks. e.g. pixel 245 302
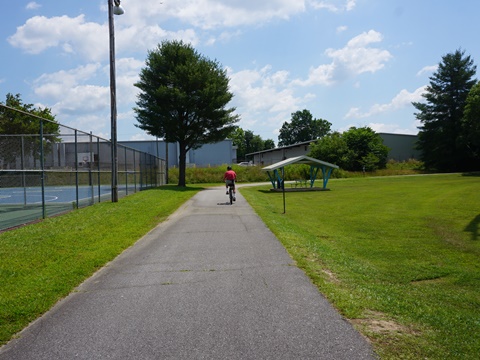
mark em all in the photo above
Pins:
pixel 90 163
pixel 126 172
pixel 135 169
pixel 22 164
pixel 98 170
pixel 42 169
pixel 75 158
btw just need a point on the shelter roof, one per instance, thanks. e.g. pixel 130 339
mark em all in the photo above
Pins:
pixel 303 159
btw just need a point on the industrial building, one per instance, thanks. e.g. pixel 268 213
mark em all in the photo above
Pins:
pixel 401 148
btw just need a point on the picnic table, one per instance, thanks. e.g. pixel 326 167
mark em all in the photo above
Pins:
pixel 299 183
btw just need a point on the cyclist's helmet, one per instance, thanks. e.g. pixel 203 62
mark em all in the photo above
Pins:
pixel 229 168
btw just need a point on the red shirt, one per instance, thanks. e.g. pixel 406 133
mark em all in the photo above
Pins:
pixel 230 175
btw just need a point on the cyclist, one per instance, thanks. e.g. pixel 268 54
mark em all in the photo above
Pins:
pixel 229 177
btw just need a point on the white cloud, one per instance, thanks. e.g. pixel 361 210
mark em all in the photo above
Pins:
pixel 401 100
pixel 321 75
pixel 263 91
pixel 427 69
pixel 40 33
pixel 76 36
pixel 355 58
pixel 341 29
pixel 127 70
pixel 334 5
pixel 224 37
pixel 54 86
pixel 138 29
pixel 33 6
pixel 75 100
pixel 211 14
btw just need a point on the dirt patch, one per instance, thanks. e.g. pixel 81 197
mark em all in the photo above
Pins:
pixel 376 322
pixel 331 276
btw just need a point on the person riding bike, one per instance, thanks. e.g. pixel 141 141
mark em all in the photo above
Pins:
pixel 229 177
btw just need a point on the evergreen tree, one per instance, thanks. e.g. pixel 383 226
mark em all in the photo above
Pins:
pixel 470 138
pixel 440 136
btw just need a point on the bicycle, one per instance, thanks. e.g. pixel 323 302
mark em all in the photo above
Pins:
pixel 231 195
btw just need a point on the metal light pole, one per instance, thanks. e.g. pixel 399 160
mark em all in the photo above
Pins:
pixel 117 10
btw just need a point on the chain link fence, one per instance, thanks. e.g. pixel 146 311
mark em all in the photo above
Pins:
pixel 46 174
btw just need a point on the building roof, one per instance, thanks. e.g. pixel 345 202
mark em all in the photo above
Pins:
pixel 283 147
pixel 303 159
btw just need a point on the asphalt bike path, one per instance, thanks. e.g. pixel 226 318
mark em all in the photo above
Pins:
pixel 211 282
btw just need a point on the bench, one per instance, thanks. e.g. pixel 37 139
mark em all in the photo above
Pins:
pixel 299 183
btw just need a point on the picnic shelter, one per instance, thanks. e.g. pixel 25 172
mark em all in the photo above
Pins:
pixel 276 172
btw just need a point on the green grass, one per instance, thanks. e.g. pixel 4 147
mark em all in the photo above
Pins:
pixel 398 256
pixel 41 263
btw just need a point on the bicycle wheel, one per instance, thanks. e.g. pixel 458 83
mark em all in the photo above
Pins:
pixel 230 194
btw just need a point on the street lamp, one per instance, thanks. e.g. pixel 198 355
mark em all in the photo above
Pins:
pixel 113 8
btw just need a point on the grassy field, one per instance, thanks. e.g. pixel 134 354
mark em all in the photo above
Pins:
pixel 397 256
pixel 41 263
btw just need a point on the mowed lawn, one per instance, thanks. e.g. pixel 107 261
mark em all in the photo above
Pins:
pixel 398 256
pixel 42 263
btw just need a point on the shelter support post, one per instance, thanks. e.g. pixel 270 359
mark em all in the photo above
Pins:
pixel 326 172
pixel 271 178
pixel 276 179
pixel 313 175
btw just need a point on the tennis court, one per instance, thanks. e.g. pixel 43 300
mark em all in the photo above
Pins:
pixel 60 168
pixel 23 205
pixel 53 194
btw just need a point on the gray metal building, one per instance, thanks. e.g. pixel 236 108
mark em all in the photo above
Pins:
pixel 402 148
pixel 223 152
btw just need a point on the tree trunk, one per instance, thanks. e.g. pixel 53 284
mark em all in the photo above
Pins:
pixel 182 157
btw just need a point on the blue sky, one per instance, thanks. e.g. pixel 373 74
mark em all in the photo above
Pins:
pixel 351 62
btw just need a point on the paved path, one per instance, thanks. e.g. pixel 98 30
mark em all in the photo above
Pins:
pixel 212 282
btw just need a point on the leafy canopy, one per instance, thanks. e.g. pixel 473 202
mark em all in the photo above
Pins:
pixel 354 150
pixel 18 118
pixel 183 98
pixel 470 137
pixel 247 142
pixel 19 121
pixel 302 127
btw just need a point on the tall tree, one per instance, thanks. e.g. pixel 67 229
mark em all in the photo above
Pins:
pixel 367 149
pixel 354 150
pixel 302 127
pixel 441 115
pixel 247 142
pixel 16 119
pixel 238 137
pixel 470 138
pixel 183 98
pixel 268 144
